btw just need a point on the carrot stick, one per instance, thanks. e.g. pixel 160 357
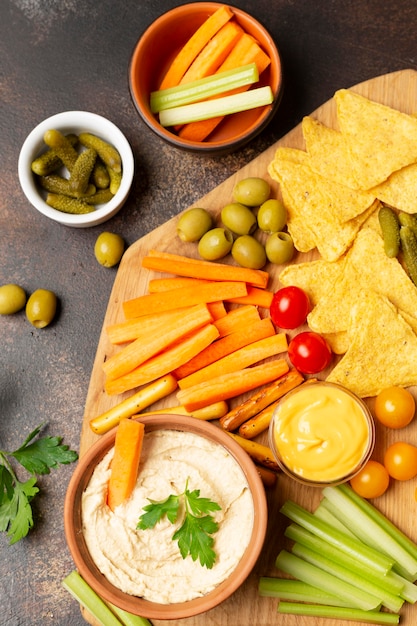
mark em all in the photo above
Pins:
pixel 140 350
pixel 268 477
pixel 231 385
pixel 255 296
pixel 133 328
pixel 238 360
pixel 197 268
pixel 125 463
pixel 245 51
pixel 156 285
pixel 241 317
pixel 259 400
pixel 214 52
pixel 209 412
pixel 259 452
pixel 226 345
pixel 217 309
pixel 186 296
pixel 134 404
pixel 164 362
pixel 194 46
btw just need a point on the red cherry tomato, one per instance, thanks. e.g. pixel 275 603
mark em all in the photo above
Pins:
pixel 309 352
pixel 290 307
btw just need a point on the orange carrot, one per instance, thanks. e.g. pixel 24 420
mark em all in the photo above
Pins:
pixel 156 285
pixel 164 362
pixel 255 296
pixel 242 358
pixel 125 463
pixel 134 404
pixel 194 46
pixel 140 350
pixel 209 412
pixel 268 476
pixel 246 51
pixel 241 317
pixel 231 385
pixel 197 268
pixel 217 309
pixel 185 296
pixel 226 345
pixel 260 399
pixel 214 53
pixel 257 451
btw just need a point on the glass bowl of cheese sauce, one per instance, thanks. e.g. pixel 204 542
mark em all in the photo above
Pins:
pixel 321 434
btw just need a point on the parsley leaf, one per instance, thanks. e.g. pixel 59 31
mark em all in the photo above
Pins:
pixel 37 457
pixel 194 535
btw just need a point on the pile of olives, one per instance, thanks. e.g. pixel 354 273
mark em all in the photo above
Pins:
pixel 252 210
pixel 40 307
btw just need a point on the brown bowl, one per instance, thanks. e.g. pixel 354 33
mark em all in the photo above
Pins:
pixel 156 49
pixel 138 606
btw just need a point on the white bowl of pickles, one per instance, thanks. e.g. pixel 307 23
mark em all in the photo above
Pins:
pixel 76 168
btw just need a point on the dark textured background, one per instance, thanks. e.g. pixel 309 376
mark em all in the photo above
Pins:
pixel 74 54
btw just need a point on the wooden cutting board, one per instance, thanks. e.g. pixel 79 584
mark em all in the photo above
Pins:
pixel 245 607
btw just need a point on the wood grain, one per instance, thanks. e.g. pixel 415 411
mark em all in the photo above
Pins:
pixel 398 90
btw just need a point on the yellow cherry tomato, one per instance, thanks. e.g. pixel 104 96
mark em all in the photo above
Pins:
pixel 395 407
pixel 400 460
pixel 372 481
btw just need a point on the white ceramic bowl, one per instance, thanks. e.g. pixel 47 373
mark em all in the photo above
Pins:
pixel 75 122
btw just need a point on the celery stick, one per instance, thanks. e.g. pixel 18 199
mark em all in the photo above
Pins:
pixel 368 530
pixel 353 615
pixel 288 589
pixel 225 105
pixel 409 590
pixel 380 518
pixel 327 516
pixel 204 88
pixel 306 538
pixel 389 600
pixel 363 553
pixel 129 619
pixel 88 598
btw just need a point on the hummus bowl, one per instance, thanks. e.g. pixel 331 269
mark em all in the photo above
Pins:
pixel 80 512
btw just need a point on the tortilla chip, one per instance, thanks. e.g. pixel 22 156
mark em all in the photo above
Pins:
pixel 316 278
pixel 382 350
pixel 379 140
pixel 399 190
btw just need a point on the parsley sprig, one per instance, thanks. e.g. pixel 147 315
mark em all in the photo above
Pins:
pixel 194 535
pixel 36 457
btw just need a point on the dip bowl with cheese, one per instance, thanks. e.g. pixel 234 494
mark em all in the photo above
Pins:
pixel 321 434
pixel 142 570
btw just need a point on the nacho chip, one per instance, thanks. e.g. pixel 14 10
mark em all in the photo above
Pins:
pixel 399 190
pixel 382 350
pixel 379 140
pixel 316 278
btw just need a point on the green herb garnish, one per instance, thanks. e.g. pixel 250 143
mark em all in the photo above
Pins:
pixel 37 457
pixel 194 535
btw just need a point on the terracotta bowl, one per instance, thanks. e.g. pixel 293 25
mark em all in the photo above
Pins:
pixel 75 122
pixel 156 49
pixel 136 605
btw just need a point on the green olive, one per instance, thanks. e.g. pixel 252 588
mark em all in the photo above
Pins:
pixel 249 252
pixel 238 218
pixel 279 248
pixel 12 299
pixel 109 249
pixel 215 244
pixel 251 191
pixel 193 224
pixel 41 308
pixel 272 216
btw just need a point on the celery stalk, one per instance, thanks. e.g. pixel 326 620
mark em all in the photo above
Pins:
pixel 388 581
pixel 129 619
pixel 225 105
pixel 369 531
pixel 409 590
pixel 354 615
pixel 313 575
pixel 288 589
pixel 327 516
pixel 88 598
pixel 204 88
pixel 389 600
pixel 363 553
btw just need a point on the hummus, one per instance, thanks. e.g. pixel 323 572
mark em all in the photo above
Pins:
pixel 148 563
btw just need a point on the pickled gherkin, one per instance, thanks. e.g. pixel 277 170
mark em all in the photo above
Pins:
pixel 100 177
pixel 409 219
pixel 390 227
pixel 101 196
pixel 82 170
pixel 67 204
pixel 409 250
pixel 62 147
pixel 115 180
pixel 58 184
pixel 107 153
pixel 49 161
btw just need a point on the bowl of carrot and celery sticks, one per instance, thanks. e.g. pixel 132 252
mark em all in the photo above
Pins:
pixel 206 77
